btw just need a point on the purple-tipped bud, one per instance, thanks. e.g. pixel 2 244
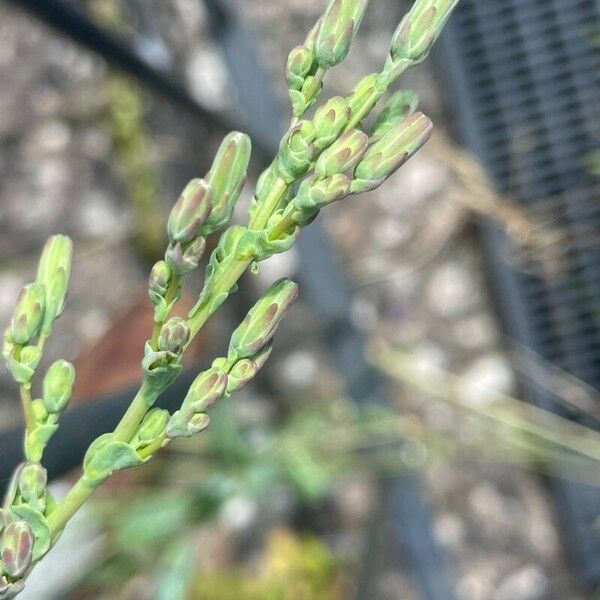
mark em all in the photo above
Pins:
pixel 246 369
pixel 185 424
pixel 190 211
pixel 206 389
pixel 315 193
pixel 397 109
pixel 296 151
pixel 329 120
pixel 344 154
pixel 227 176
pixel 32 482
pixel 366 93
pixel 391 152
pixel 16 548
pixel 338 27
pixel 183 258
pixel 420 28
pixel 29 313
pixel 260 324
pixel 160 277
pixel 58 385
pixel 53 273
pixel 300 64
pixel 174 335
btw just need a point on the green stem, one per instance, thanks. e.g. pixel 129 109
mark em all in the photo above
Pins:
pixel 270 204
pixel 170 295
pixel 155 446
pixel 144 399
pixel 60 516
pixel 25 394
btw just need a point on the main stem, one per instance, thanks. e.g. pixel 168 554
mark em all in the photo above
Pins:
pixel 61 515
pixel 145 397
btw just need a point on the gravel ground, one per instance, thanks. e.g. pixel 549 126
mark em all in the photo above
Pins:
pixel 419 279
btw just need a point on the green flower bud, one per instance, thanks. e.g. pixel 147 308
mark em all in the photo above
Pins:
pixel 315 192
pixel 23 369
pixel 9 344
pixel 185 424
pixel 329 120
pixel 58 385
pixel 54 270
pixel 227 177
pixel 29 313
pixel 300 64
pixel 152 427
pixel 391 152
pixel 206 389
pixel 366 93
pixel 343 155
pixel 420 28
pixel 32 484
pixel 16 548
pixel 174 335
pixel 337 30
pixel 260 324
pixel 296 151
pixel 190 211
pixel 397 109
pixel 183 258
pixel 246 369
pixel 159 279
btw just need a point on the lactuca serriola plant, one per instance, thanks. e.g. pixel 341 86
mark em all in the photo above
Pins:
pixel 321 159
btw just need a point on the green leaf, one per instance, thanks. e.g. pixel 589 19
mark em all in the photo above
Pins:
pixel 105 456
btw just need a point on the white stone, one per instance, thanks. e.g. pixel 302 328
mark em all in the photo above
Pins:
pixel 451 289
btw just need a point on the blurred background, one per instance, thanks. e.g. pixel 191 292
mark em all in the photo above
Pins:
pixel 427 425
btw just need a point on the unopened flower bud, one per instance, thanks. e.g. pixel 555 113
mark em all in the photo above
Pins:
pixel 391 152
pixel 9 344
pixel 246 369
pixel 190 211
pixel 337 30
pixel 58 385
pixel 206 389
pixel 343 155
pixel 183 258
pixel 185 424
pixel 32 482
pixel 300 64
pixel 29 313
pixel 16 548
pixel 174 335
pixel 227 177
pixel 260 324
pixel 420 28
pixel 54 270
pixel 397 109
pixel 329 120
pixel 315 192
pixel 159 279
pixel 153 425
pixel 296 151
pixel 366 94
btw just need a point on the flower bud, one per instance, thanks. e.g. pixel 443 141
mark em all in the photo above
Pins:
pixel 337 30
pixel 315 192
pixel 227 177
pixel 420 28
pixel 343 155
pixel 153 425
pixel 174 335
pixel 391 152
pixel 29 313
pixel 246 369
pixel 159 279
pixel 190 211
pixel 16 548
pixel 329 120
pixel 58 385
pixel 260 324
pixel 183 258
pixel 206 389
pixel 300 64
pixel 184 424
pixel 397 109
pixel 32 483
pixel 366 93
pixel 9 344
pixel 296 151
pixel 54 270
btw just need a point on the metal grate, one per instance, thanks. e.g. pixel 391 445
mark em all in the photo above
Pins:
pixel 525 80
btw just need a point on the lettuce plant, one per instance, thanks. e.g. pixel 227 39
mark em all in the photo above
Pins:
pixel 321 159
